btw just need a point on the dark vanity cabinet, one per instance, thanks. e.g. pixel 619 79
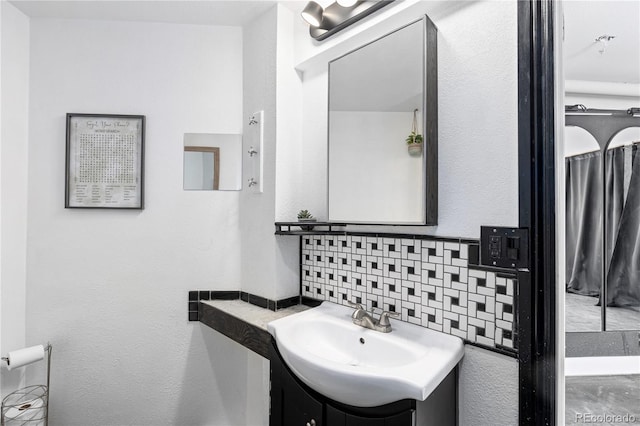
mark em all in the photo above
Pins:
pixel 295 404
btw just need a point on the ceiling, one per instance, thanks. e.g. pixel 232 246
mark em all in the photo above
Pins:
pixel 584 22
pixel 198 12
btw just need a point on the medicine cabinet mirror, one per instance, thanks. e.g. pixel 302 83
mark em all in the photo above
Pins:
pixel 381 97
pixel 212 162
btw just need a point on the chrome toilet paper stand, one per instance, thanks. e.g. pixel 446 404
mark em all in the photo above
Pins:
pixel 21 396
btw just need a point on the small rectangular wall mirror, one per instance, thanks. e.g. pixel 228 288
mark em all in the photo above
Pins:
pixel 383 130
pixel 212 162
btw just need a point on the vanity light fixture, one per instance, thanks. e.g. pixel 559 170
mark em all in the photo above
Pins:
pixel 328 20
pixel 312 14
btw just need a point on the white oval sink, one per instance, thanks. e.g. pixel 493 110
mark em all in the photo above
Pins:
pixel 362 367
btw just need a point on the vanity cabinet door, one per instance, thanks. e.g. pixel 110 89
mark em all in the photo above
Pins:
pixel 298 407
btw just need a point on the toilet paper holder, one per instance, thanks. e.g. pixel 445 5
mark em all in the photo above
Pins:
pixel 23 402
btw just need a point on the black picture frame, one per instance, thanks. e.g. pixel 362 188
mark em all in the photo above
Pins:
pixel 104 164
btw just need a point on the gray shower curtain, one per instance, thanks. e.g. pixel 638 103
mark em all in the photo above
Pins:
pixel 623 280
pixel 584 227
pixel 584 217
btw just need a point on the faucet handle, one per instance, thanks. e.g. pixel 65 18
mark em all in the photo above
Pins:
pixel 384 318
pixel 355 305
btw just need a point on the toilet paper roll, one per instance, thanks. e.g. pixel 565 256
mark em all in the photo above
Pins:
pixel 31 412
pixel 22 357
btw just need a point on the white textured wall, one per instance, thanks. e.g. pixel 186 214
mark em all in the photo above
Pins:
pixel 478 149
pixel 14 90
pixel 270 264
pixel 487 389
pixel 109 288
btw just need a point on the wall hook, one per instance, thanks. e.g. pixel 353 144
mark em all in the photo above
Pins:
pixel 252 120
pixel 252 182
pixel 252 151
pixel 604 40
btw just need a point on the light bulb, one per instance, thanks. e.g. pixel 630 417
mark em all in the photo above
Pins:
pixel 312 14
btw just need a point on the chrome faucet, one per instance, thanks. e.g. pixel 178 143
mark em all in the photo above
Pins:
pixel 365 319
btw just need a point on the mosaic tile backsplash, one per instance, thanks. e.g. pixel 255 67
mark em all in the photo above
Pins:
pixel 428 281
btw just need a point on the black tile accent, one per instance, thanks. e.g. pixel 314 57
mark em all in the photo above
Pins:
pixel 411 270
pixel 258 301
pixel 455 301
pixel 431 318
pixel 318 242
pixel 501 289
pixel 330 293
pixel 411 292
pixel 344 279
pixel 455 324
pixel 392 308
pixel 431 274
pixel 507 308
pixel 481 307
pixel 474 254
pixel 392 268
pixel 358 299
pixel 309 301
pixel 358 281
pixel 431 296
pixel 331 259
pixel 306 288
pixel 193 295
pixel 374 303
pixel 392 247
pixel 506 334
pixel 482 282
pixel 318 291
pixel 374 246
pixel 411 249
pixel 306 241
pixel 225 295
pixel 374 284
pixel 480 331
pixel 374 265
pixel 307 257
pixel 318 275
pixel 455 277
pixel 203 295
pixel 330 243
pixel 285 303
pixel 344 244
pixel 411 312
pixel 392 287
pixel 330 276
pixel 432 252
pixel 319 258
pixel 358 244
pixel 344 261
pixel 455 254
pixel 358 263
pixel 193 316
pixel 193 306
pixel 344 296
pixel 307 273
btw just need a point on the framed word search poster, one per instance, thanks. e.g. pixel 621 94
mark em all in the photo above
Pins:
pixel 105 161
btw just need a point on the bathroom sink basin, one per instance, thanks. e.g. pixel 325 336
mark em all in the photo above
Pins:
pixel 362 367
